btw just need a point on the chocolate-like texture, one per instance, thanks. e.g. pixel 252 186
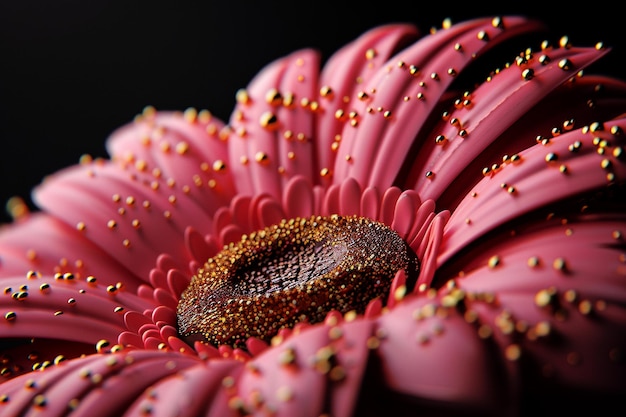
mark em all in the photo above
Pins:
pixel 296 271
pixel 508 188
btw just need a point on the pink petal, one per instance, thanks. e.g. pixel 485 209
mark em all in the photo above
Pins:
pixel 567 313
pixel 574 104
pixel 184 148
pixel 349 197
pixel 285 143
pixel 298 199
pixel 194 391
pixel 293 379
pixel 537 183
pixel 495 106
pixel 89 384
pixel 345 71
pixel 44 244
pixel 127 219
pixel 439 359
pixel 366 149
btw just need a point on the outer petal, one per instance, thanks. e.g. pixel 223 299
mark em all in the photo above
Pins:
pixel 123 215
pixel 552 298
pixel 178 150
pixel 492 109
pixel 345 72
pixel 316 371
pixel 576 103
pixel 42 309
pixel 385 125
pixel 431 355
pixel 106 385
pixel 44 244
pixel 272 126
pixel 573 163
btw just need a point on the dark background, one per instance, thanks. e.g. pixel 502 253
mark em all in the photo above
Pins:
pixel 71 71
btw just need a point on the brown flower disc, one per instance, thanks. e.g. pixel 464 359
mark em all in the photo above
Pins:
pixel 295 271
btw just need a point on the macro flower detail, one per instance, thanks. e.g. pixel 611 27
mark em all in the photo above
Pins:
pixel 410 236
pixel 298 268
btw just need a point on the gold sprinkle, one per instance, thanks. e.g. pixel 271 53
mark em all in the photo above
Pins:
pixel 565 64
pixel 513 352
pixel 102 345
pixel 533 261
pixel 17 208
pixel 484 331
pixel 544 297
pixel 39 400
pixel 268 120
pixel 551 157
pixel 273 97
pixel 287 357
pixel 337 373
pixel 327 92
pixel 242 96
pixel 494 262
pixel 284 393
pixel 528 74
pixel 585 307
pixel 373 343
pixel 559 264
pixel 33 275
pixel 182 148
pixel 261 158
pixel 482 35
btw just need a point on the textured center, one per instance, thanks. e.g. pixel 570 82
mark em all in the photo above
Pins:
pixel 295 271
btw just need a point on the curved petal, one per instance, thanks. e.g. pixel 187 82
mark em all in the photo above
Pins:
pixel 46 245
pixel 574 163
pixel 345 72
pixel 430 353
pixel 574 104
pixel 317 371
pixel 85 386
pixel 78 313
pixel 124 216
pixel 386 124
pixel 491 110
pixel 548 307
pixel 177 150
pixel 271 129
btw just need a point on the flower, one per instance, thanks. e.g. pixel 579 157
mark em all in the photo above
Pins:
pixel 502 265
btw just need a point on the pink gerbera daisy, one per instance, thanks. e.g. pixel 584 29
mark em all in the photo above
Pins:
pixel 391 233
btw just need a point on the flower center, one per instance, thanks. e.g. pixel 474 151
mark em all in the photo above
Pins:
pixel 295 271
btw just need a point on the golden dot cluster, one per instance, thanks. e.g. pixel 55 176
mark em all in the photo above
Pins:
pixel 297 270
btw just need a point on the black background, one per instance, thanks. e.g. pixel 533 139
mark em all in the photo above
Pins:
pixel 71 71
